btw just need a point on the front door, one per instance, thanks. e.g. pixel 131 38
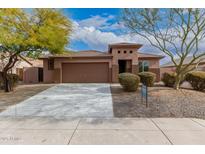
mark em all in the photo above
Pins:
pixel 125 66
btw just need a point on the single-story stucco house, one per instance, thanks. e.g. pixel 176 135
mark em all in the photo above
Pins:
pixel 93 66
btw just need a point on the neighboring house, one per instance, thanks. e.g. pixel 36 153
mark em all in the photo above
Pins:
pixel 32 73
pixel 29 70
pixel 93 66
pixel 169 67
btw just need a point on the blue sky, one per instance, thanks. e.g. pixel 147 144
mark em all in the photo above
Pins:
pixel 92 23
pixel 96 28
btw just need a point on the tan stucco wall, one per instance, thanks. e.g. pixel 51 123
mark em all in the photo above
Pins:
pixel 129 56
pixel 123 56
pixel 30 75
pixel 153 66
pixel 153 63
pixel 201 67
pixel 166 70
pixel 48 75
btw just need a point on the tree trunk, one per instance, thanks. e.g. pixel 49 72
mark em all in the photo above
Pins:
pixel 7 85
pixel 6 81
pixel 177 82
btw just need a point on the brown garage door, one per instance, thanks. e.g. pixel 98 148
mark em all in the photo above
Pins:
pixel 85 72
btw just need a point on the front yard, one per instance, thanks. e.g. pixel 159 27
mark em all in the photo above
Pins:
pixel 163 102
pixel 83 114
pixel 22 92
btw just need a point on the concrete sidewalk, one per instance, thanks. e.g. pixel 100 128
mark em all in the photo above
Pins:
pixel 42 130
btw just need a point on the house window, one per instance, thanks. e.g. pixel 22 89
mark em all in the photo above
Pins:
pixel 125 51
pixel 143 66
pixel 118 51
pixel 50 64
pixel 130 51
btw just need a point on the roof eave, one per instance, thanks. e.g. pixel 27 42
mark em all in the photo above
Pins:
pixel 123 45
pixel 25 60
pixel 161 57
pixel 109 56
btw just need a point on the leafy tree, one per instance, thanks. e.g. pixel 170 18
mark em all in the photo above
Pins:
pixel 175 32
pixel 31 33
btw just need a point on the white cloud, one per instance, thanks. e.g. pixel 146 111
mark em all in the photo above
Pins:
pixel 96 21
pixel 114 26
pixel 91 33
pixel 97 39
pixel 97 33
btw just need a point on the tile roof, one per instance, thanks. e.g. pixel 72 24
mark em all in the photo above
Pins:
pixel 95 53
pixel 36 63
pixel 83 53
pixel 124 44
pixel 32 62
pixel 148 55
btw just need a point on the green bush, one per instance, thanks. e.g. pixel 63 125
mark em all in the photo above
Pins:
pixel 196 79
pixel 129 81
pixel 147 78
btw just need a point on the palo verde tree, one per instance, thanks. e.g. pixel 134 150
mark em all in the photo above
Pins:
pixel 176 32
pixel 31 33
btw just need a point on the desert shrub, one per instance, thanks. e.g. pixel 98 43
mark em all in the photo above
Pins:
pixel 168 79
pixel 129 81
pixel 147 78
pixel 196 79
pixel 13 79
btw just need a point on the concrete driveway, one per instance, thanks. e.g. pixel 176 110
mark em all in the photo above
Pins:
pixel 67 100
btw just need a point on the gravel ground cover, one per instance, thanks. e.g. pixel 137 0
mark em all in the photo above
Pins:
pixel 20 93
pixel 163 102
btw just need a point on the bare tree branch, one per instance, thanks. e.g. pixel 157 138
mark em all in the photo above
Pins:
pixel 175 32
